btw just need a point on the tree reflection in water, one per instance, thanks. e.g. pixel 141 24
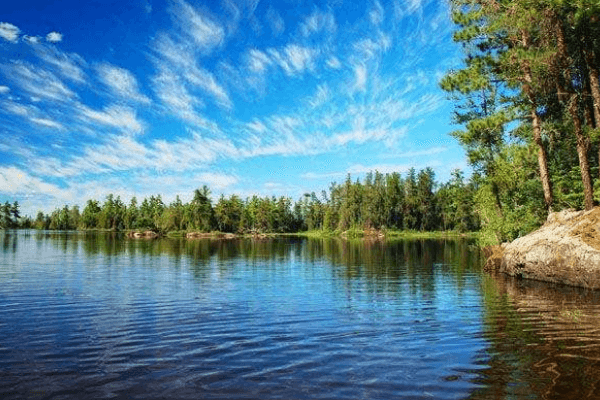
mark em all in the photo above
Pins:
pixel 545 339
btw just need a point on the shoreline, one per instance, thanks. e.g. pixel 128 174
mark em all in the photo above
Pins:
pixel 314 234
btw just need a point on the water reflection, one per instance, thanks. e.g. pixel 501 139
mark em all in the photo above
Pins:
pixel 284 318
pixel 545 340
pixel 368 258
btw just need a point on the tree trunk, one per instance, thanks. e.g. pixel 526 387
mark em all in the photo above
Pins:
pixel 582 148
pixel 537 130
pixel 595 89
pixel 542 161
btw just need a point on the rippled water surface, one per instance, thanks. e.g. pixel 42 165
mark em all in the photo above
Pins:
pixel 101 316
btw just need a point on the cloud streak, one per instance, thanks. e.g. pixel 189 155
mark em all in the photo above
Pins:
pixel 9 32
pixel 121 82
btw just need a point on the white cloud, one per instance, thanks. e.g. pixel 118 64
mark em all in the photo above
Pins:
pixel 18 109
pixel 204 80
pixel 294 59
pixel 202 28
pixel 174 53
pixel 360 78
pixel 217 180
pixel 407 7
pixel 37 82
pixel 9 32
pixel 47 123
pixel 4 89
pixel 54 37
pixel 376 15
pixel 367 49
pixel 334 63
pixel 172 91
pixel 32 114
pixel 70 66
pixel 121 82
pixel 321 96
pixel 419 153
pixel 275 21
pixel 14 180
pixel 179 76
pixel 314 175
pixel 258 61
pixel 318 22
pixel 32 39
pixel 123 118
pixel 257 126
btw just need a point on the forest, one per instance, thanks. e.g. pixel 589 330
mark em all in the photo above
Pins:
pixel 527 107
pixel 390 201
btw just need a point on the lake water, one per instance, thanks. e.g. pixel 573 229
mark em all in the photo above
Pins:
pixel 90 316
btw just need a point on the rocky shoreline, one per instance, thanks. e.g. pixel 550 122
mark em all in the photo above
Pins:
pixel 565 250
pixel 142 235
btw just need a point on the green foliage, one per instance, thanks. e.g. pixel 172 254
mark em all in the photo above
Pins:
pixel 9 215
pixel 380 202
pixel 526 102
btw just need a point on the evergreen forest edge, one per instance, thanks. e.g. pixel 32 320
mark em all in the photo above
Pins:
pixel 527 101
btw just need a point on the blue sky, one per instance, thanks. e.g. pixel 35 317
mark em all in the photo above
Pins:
pixel 248 97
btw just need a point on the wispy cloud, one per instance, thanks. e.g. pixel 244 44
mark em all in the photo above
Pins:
pixel 408 7
pixel 180 82
pixel 321 96
pixel 376 15
pixel 54 37
pixel 276 22
pixel 334 62
pixel 37 82
pixel 48 123
pixel 69 66
pixel 18 109
pixel 360 78
pixel 202 28
pixel 31 113
pixel 14 180
pixel 216 180
pixel 368 48
pixel 420 153
pixel 122 118
pixel 9 32
pixel 172 91
pixel 206 81
pixel 318 22
pixel 4 89
pixel 32 39
pixel 258 61
pixel 121 82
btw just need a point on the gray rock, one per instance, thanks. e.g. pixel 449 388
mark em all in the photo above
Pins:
pixel 566 250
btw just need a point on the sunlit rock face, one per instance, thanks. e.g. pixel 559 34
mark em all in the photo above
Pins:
pixel 566 250
pixel 143 235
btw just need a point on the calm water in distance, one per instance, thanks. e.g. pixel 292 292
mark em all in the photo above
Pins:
pixel 96 315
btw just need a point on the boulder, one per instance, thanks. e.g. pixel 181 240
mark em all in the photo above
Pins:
pixel 565 250
pixel 143 235
pixel 199 235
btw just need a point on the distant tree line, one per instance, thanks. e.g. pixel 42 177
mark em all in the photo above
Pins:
pixel 379 201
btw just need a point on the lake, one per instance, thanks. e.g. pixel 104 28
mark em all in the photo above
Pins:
pixel 97 315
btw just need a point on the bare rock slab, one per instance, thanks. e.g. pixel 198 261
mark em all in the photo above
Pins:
pixel 565 250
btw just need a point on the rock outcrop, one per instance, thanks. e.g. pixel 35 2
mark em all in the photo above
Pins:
pixel 210 235
pixel 566 250
pixel 142 235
